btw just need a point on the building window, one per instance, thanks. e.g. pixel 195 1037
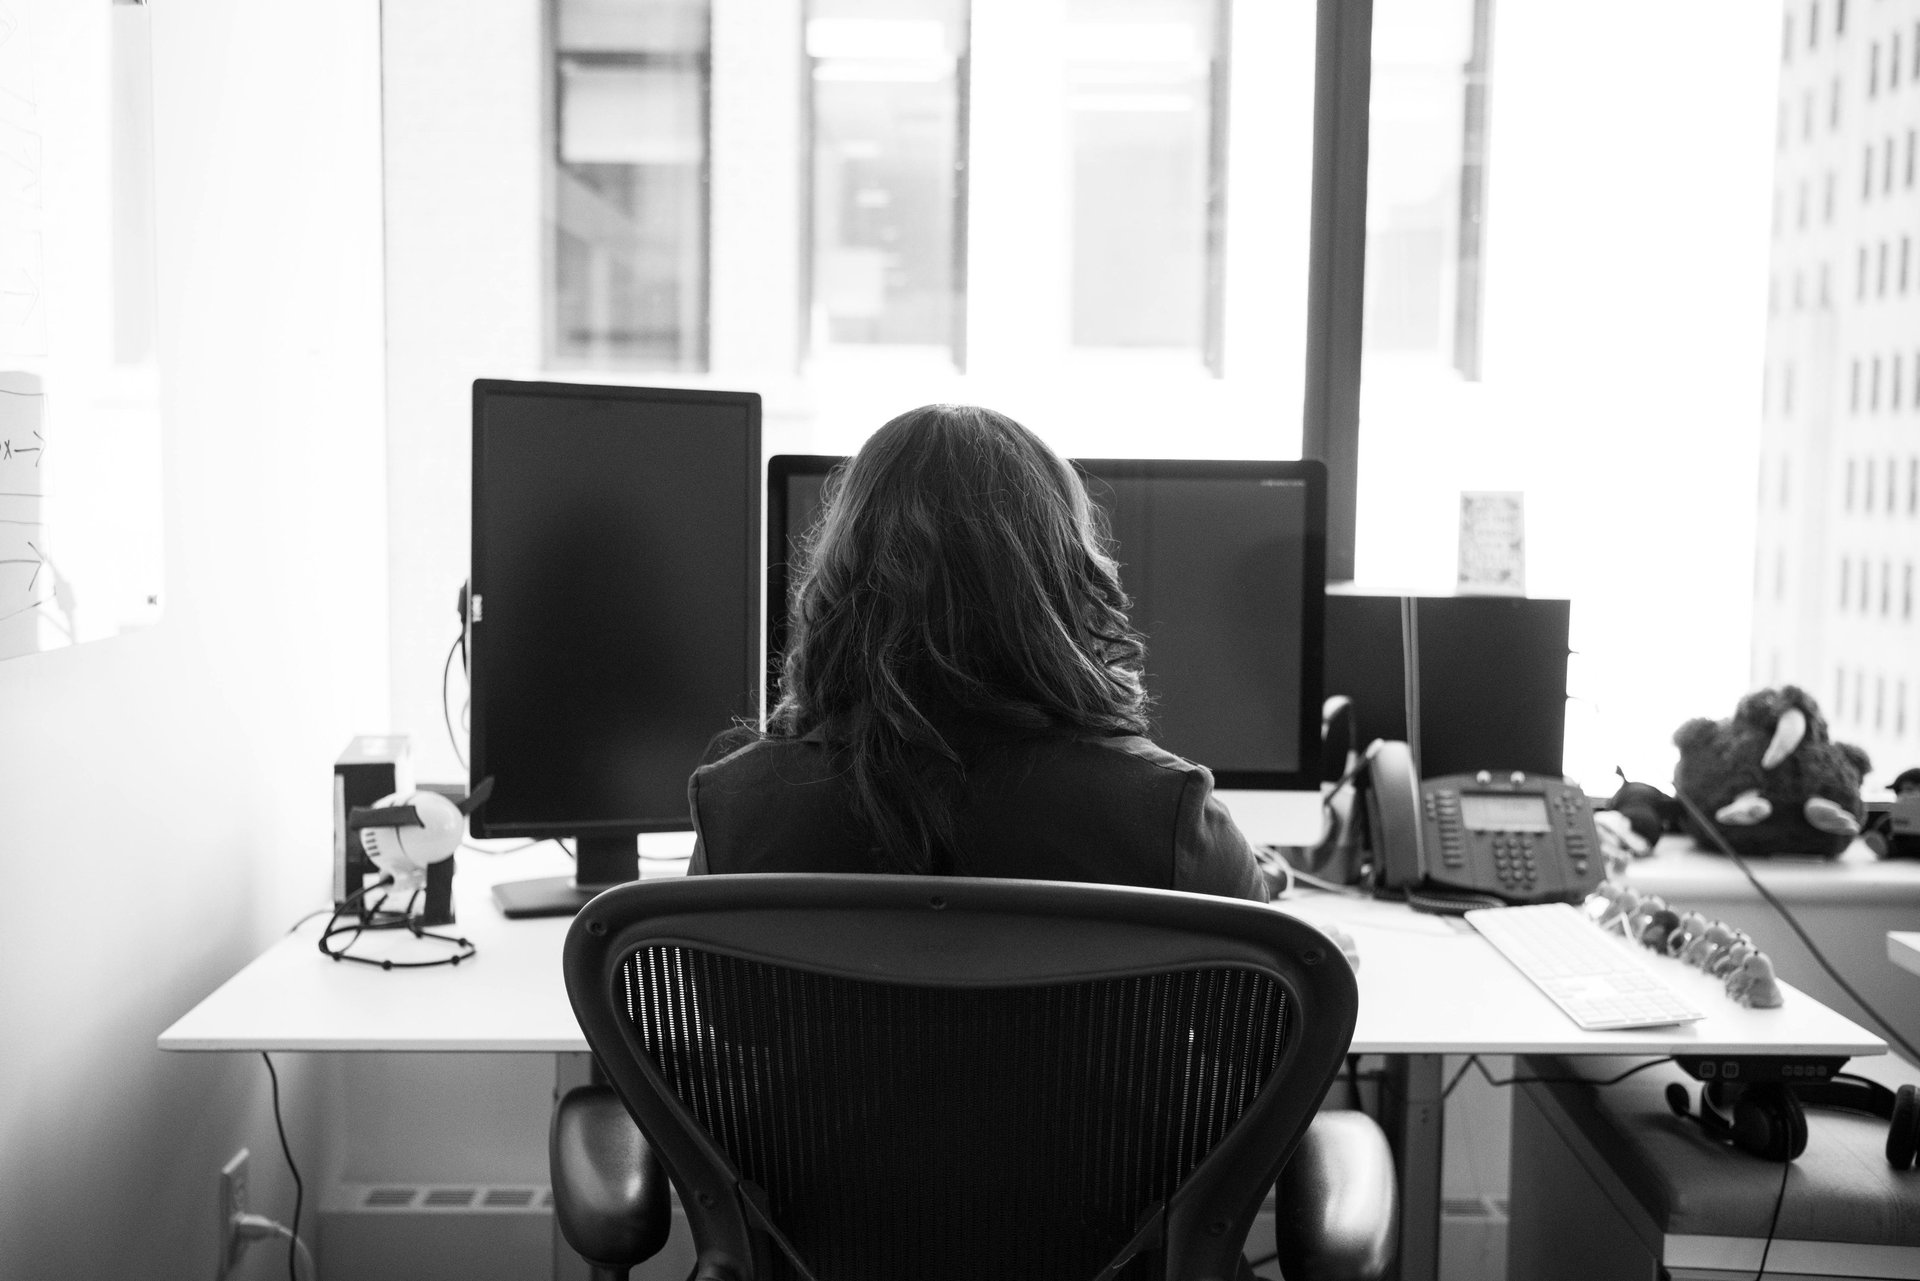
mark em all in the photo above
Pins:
pixel 1826 292
pixel 1879 701
pixel 1786 40
pixel 1813 25
pixel 1847 502
pixel 627 248
pixel 889 157
pixel 1906 252
pixel 1906 594
pixel 1800 209
pixel 1866 173
pixel 1900 712
pixel 1860 274
pixel 1886 588
pixel 1839 16
pixel 1786 466
pixel 1910 143
pixel 1828 211
pixel 1833 105
pixel 1146 119
pixel 1779 573
pixel 1893 393
pixel 1873 69
pixel 1893 62
pixel 1846 582
pixel 1913 485
pixel 1886 166
pixel 1839 692
pixel 1893 486
pixel 1873 388
pixel 1853 389
pixel 1880 272
pixel 1866 494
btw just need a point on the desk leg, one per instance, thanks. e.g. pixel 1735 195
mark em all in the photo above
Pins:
pixel 1412 1114
pixel 569 1070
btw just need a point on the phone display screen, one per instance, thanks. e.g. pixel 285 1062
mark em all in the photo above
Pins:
pixel 1501 812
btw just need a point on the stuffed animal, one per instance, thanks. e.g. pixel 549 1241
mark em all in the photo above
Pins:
pixel 1771 779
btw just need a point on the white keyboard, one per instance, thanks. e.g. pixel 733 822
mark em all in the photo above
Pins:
pixel 1597 982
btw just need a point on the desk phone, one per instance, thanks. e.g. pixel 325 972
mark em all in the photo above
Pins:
pixel 1473 840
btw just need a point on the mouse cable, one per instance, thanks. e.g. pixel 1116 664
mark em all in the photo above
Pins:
pixel 286 1150
pixel 1793 924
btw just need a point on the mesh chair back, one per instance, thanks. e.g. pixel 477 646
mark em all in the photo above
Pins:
pixel 1014 1080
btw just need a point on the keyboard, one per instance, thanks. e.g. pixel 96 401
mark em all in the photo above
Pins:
pixel 1595 981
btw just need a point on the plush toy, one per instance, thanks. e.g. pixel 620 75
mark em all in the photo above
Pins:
pixel 1771 779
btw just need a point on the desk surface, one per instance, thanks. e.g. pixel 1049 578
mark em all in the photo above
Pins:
pixel 1680 870
pixel 1428 985
pixel 1903 949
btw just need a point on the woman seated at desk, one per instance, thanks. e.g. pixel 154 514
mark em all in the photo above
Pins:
pixel 962 691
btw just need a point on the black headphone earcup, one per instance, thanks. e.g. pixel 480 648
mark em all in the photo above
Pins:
pixel 1770 1123
pixel 1903 1133
pixel 1706 1118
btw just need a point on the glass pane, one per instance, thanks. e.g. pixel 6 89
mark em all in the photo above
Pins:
pixel 888 172
pixel 1147 157
pixel 629 190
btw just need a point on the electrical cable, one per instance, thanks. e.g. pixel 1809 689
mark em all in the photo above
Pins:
pixel 286 1150
pixel 1773 1224
pixel 318 911
pixel 1473 1060
pixel 1892 1034
pixel 446 705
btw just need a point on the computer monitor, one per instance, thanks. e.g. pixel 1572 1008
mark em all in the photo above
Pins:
pixel 614 615
pixel 1226 565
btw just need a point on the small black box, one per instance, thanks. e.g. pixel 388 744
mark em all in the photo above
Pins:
pixel 373 766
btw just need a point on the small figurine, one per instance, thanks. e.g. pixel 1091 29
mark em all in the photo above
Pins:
pixel 1642 913
pixel 1754 985
pixel 1692 926
pixel 1717 938
pixel 1729 961
pixel 1659 928
pixel 1625 902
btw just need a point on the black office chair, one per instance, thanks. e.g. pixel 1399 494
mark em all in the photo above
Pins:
pixel 855 1077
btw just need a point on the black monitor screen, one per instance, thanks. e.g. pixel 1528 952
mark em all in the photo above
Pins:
pixel 614 624
pixel 1226 565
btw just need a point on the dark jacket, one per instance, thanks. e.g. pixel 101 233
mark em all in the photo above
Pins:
pixel 1057 807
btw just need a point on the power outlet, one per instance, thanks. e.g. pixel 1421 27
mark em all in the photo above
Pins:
pixel 233 1204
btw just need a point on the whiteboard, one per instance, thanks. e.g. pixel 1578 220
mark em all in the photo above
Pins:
pixel 80 462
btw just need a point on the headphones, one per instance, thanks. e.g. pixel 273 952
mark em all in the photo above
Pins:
pixel 1769 1119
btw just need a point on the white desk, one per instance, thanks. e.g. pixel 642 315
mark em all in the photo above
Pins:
pixel 1428 987
pixel 1903 949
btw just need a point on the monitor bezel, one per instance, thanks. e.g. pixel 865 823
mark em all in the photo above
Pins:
pixel 1310 472
pixel 483 389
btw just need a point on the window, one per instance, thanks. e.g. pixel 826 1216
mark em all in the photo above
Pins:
pixel 1873 69
pixel 1779 573
pixel 1846 582
pixel 1147 133
pixel 1813 26
pixel 1886 588
pixel 1839 16
pixel 1786 40
pixel 1866 496
pixel 1833 107
pixel 1873 388
pixel 1913 485
pixel 1886 165
pixel 1893 486
pixel 1860 274
pixel 1786 466
pixel 1906 252
pixel 1848 501
pixel 1879 701
pixel 1839 692
pixel 1893 391
pixel 1910 143
pixel 1893 63
pixel 1866 173
pixel 1906 596
pixel 627 184
pixel 889 173
pixel 1826 292
pixel 1900 712
pixel 1828 211
pixel 1800 208
pixel 1806 115
pixel 1880 272
pixel 1853 390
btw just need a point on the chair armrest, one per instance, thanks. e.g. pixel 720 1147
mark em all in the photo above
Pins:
pixel 1337 1209
pixel 610 1194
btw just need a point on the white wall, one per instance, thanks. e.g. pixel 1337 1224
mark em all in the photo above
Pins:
pixel 164 795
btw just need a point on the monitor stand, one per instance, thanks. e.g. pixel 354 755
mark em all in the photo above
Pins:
pixel 599 862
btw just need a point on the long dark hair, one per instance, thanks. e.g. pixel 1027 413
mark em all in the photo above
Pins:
pixel 955 584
